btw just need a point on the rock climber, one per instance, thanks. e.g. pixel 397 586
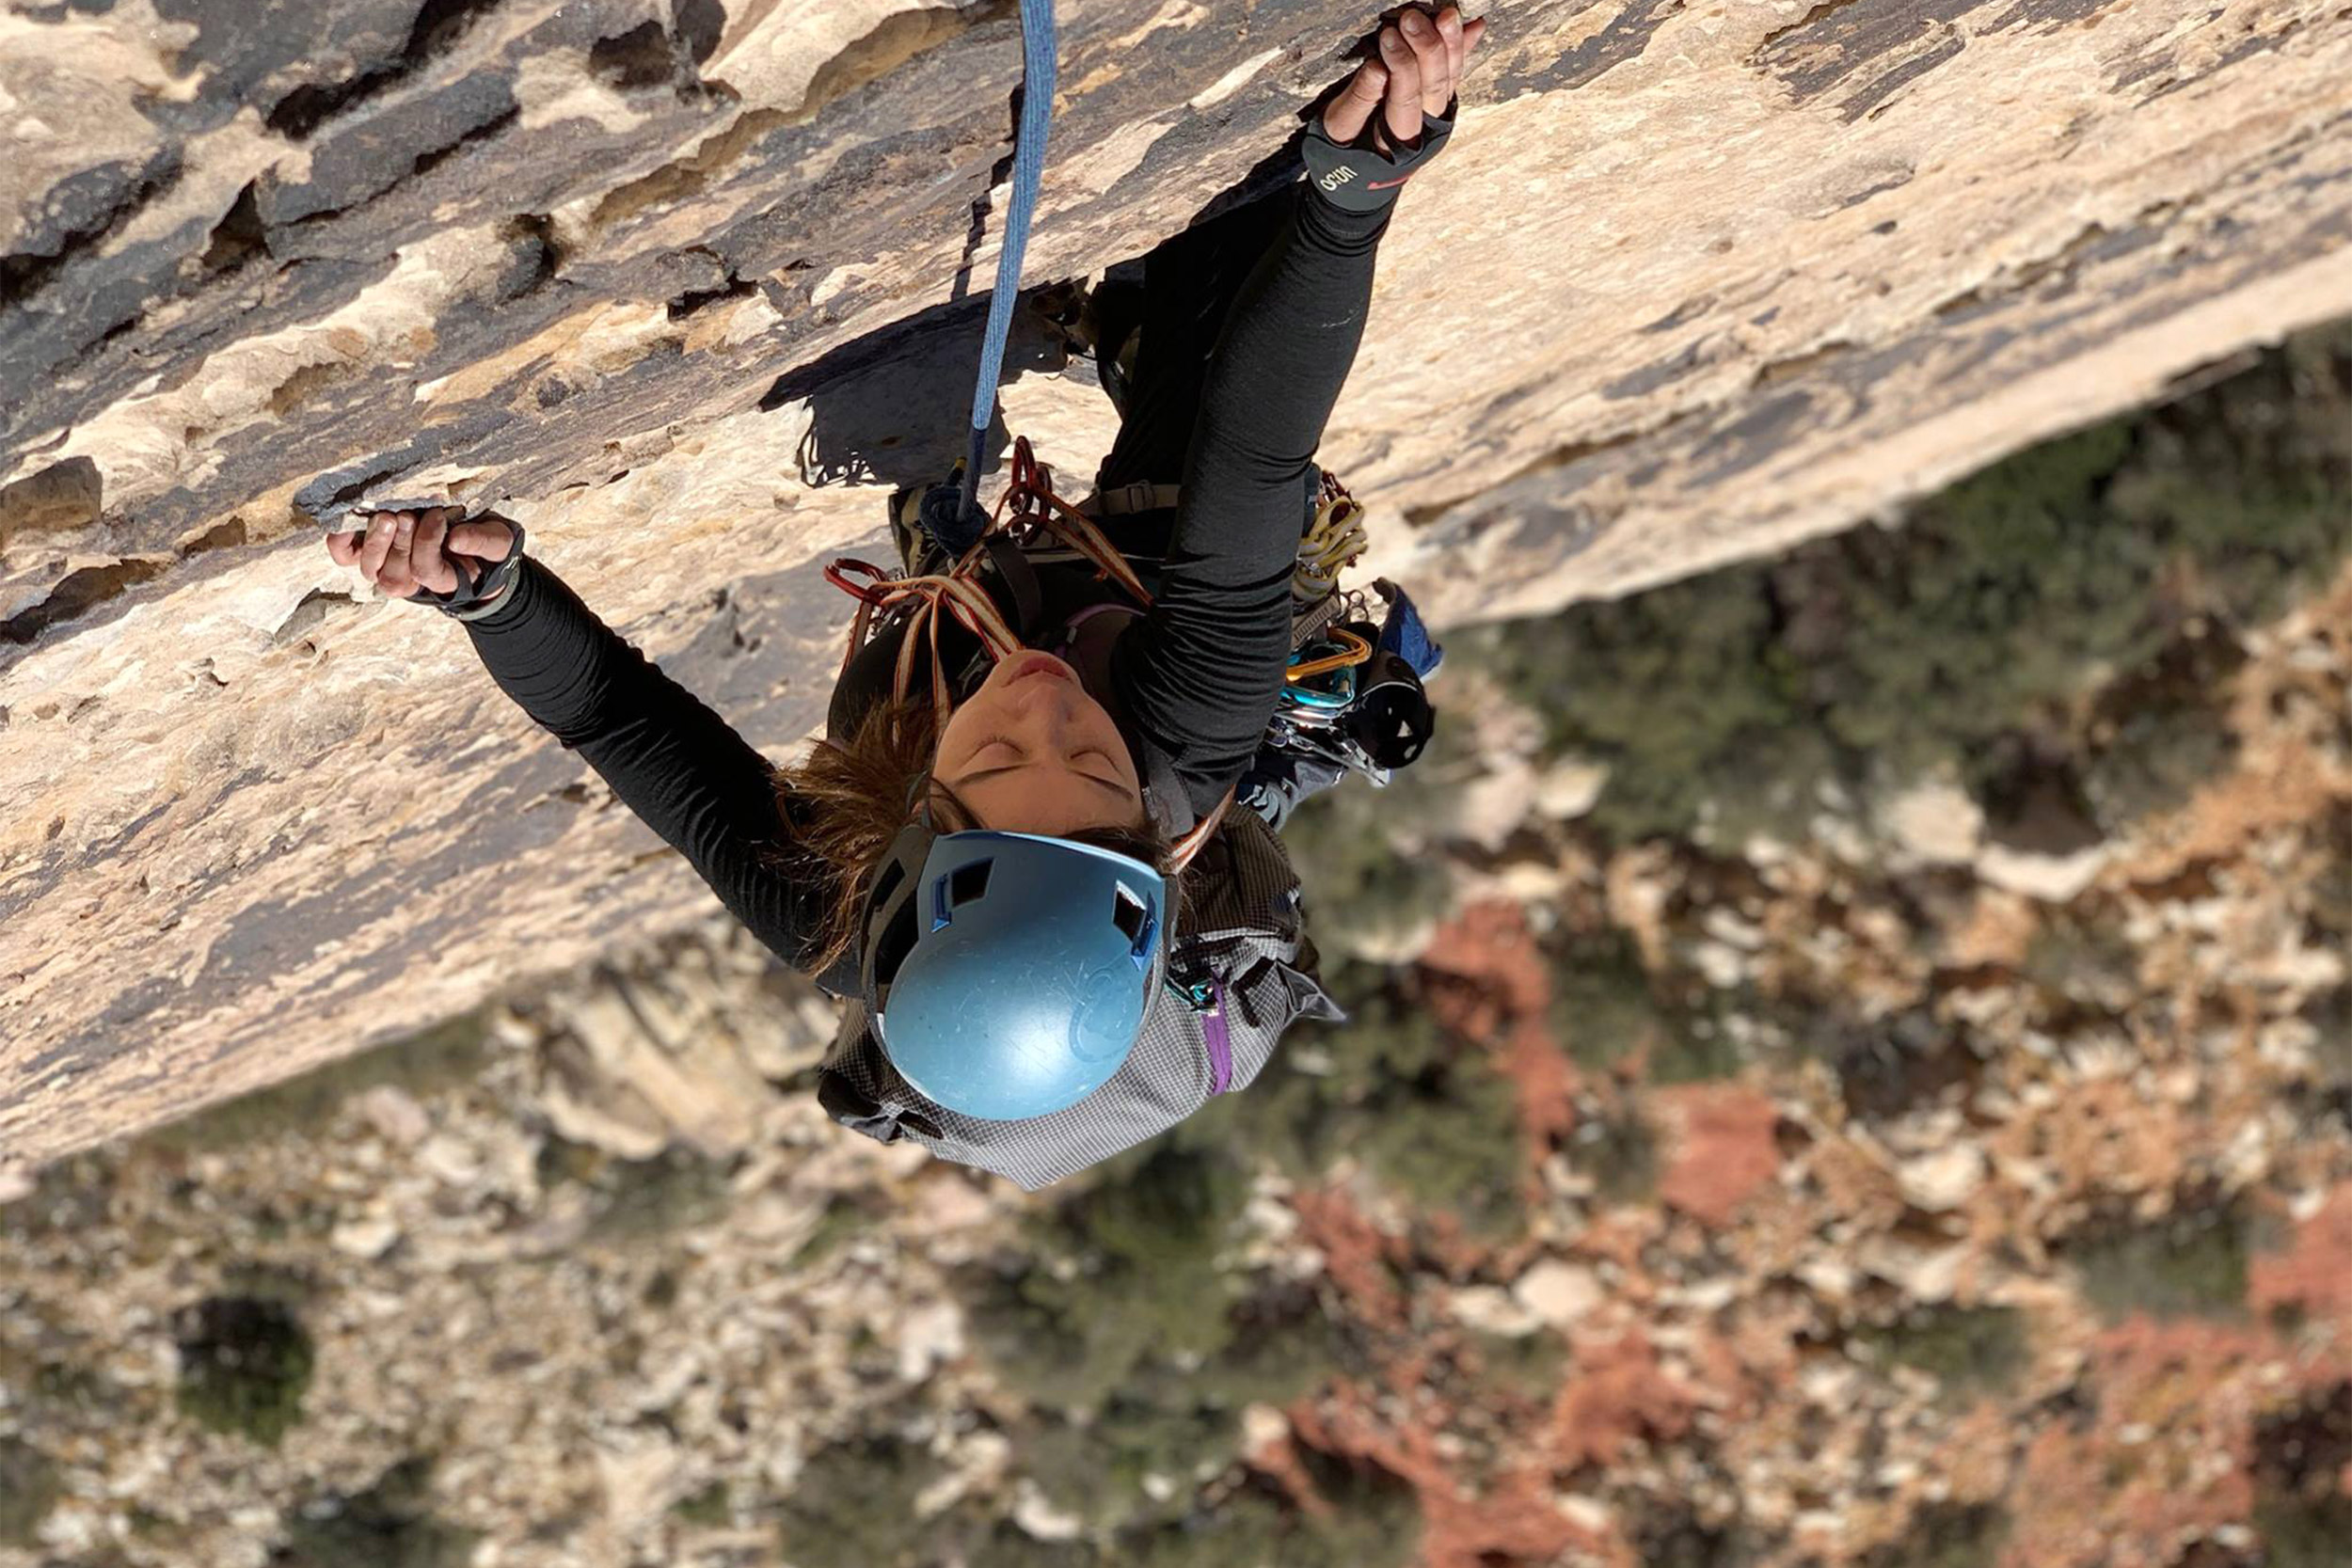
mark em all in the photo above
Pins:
pixel 1018 870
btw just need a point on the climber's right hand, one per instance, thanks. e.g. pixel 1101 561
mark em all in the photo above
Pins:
pixel 1358 159
pixel 428 555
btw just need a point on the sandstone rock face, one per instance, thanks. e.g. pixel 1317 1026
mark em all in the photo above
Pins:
pixel 688 284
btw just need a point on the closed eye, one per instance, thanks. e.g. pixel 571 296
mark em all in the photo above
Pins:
pixel 1010 744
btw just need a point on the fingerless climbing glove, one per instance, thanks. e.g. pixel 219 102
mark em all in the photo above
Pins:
pixel 488 587
pixel 1359 178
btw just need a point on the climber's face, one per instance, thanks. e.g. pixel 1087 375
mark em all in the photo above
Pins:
pixel 1031 753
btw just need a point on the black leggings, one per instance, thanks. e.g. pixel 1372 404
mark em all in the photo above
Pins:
pixel 1190 282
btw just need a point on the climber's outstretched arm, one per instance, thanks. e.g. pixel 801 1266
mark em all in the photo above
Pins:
pixel 671 760
pixel 1201 676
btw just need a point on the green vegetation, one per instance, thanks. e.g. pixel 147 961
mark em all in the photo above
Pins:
pixel 1947 1535
pixel 1125 1324
pixel 853 1507
pixel 1604 1012
pixel 1620 1152
pixel 1449 1142
pixel 845 1216
pixel 43 1375
pixel 1526 1366
pixel 1374 1522
pixel 445 1057
pixel 2299 1457
pixel 653 1200
pixel 1099 1470
pixel 2303 1533
pixel 1008 1546
pixel 643 1202
pixel 1124 1270
pixel 2162 732
pixel 2331 1016
pixel 1427 1113
pixel 244 1362
pixel 1359 887
pixel 2190 1262
pixel 1676 1535
pixel 1967 1350
pixel 2056 632
pixel 707 1509
pixel 28 1489
pixel 1980 635
pixel 390 1525
pixel 2089 963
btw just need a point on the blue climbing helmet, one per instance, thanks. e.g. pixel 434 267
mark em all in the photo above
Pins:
pixel 1008 975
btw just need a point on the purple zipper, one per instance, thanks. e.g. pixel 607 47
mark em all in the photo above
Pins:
pixel 1220 1042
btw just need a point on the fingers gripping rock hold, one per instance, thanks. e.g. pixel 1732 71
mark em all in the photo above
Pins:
pixel 1395 113
pixel 430 553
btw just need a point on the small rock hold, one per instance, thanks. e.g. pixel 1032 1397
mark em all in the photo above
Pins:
pixel 2052 878
pixel 1041 1520
pixel 62 497
pixel 1937 822
pixel 1262 1427
pixel 449 1160
pixel 929 1338
pixel 1570 788
pixel 1586 1514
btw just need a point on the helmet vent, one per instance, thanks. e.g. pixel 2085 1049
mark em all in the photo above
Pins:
pixel 964 885
pixel 1133 917
pixel 967 882
pixel 892 947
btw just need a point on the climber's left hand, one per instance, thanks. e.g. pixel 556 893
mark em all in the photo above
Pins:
pixel 434 556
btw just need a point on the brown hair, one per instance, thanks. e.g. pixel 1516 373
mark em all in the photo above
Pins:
pixel 844 803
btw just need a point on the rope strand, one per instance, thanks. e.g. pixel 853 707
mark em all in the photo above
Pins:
pixel 1029 170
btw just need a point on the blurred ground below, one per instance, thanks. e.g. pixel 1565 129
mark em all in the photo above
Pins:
pixel 1852 1069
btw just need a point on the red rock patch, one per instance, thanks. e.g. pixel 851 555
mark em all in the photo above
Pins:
pixel 1724 1150
pixel 2315 1273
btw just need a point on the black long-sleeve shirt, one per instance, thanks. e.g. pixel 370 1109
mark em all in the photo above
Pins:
pixel 1198 674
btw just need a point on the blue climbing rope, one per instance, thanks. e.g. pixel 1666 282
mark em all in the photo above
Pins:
pixel 1028 168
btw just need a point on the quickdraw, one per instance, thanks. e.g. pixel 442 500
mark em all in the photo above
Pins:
pixel 1351 650
pixel 1331 544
